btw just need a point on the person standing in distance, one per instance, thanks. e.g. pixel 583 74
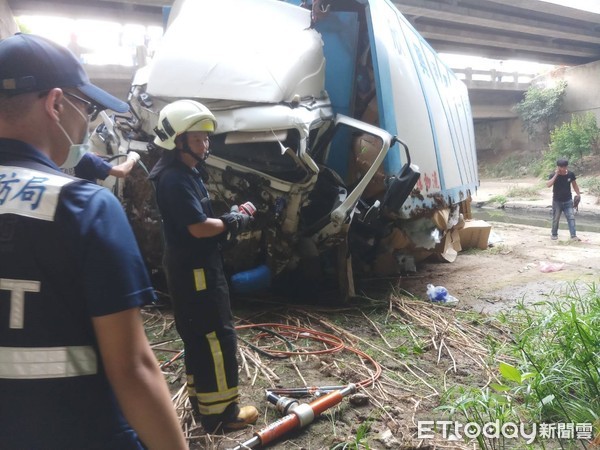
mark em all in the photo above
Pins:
pixel 562 200
pixel 76 370
pixel 194 265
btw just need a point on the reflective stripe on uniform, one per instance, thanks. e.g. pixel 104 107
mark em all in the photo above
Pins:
pixel 217 356
pixel 29 363
pixel 216 402
pixel 216 397
pixel 191 386
pixel 208 410
pixel 200 279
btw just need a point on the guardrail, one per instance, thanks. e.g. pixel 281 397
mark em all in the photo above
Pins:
pixel 495 79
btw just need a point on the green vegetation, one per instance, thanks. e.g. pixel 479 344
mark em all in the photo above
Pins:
pixel 360 440
pixel 540 108
pixel 513 166
pixel 549 374
pixel 573 140
pixel 526 193
pixel 500 199
pixel 499 250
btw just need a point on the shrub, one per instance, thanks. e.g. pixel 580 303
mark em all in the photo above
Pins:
pixel 541 107
pixel 573 140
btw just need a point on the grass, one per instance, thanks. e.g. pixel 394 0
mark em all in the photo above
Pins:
pixel 525 193
pixel 500 199
pixel 360 440
pixel 513 166
pixel 555 375
pixel 499 250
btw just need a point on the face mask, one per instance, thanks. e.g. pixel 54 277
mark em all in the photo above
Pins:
pixel 76 151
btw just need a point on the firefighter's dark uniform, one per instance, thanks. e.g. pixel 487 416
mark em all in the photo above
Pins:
pixel 199 292
pixel 58 269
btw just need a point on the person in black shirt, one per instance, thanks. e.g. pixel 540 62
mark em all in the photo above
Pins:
pixel 562 201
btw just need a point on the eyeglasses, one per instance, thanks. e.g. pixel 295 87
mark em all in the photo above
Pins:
pixel 91 109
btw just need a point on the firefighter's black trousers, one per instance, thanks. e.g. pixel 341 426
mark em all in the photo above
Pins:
pixel 203 318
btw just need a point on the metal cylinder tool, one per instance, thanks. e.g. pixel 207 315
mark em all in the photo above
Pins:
pixel 299 416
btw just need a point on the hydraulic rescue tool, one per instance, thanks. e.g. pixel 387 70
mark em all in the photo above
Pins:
pixel 298 415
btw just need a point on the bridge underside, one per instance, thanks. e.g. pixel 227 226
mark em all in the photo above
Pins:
pixel 532 30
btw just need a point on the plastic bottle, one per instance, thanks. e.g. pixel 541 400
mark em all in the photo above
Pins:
pixel 251 280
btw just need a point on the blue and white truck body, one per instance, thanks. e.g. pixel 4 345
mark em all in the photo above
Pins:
pixel 337 120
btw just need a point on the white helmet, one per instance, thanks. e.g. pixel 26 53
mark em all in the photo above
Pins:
pixel 180 117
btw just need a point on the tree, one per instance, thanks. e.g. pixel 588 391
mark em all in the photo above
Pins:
pixel 540 108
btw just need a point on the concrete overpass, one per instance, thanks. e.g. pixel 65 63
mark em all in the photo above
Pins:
pixel 499 29
pixel 531 30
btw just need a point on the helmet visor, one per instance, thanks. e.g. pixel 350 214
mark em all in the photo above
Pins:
pixel 207 125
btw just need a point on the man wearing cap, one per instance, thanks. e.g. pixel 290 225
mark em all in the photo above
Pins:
pixel 76 370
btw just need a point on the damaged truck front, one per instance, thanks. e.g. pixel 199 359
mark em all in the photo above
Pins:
pixel 337 121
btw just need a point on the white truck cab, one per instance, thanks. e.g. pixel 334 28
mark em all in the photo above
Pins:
pixel 337 121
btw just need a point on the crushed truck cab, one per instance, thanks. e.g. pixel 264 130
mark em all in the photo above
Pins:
pixel 338 122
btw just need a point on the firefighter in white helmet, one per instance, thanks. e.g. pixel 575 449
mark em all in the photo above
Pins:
pixel 194 268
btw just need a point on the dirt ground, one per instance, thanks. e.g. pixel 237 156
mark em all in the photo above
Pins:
pixel 515 266
pixel 422 349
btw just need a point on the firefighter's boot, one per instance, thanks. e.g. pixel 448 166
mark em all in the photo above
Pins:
pixel 233 418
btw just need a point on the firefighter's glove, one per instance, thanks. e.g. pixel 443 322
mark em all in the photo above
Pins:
pixel 236 222
pixel 134 156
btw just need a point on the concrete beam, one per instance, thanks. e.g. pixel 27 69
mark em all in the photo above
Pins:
pixel 451 33
pixel 551 8
pixel 504 20
pixel 494 104
pixel 505 53
pixel 153 3
pixel 487 112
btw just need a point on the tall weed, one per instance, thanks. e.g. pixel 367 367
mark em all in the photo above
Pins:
pixel 555 374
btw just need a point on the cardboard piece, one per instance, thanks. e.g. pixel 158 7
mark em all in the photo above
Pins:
pixel 440 218
pixel 475 234
pixel 449 246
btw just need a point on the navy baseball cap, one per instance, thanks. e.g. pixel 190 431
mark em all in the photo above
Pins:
pixel 30 63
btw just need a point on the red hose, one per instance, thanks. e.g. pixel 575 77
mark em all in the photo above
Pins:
pixel 333 344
